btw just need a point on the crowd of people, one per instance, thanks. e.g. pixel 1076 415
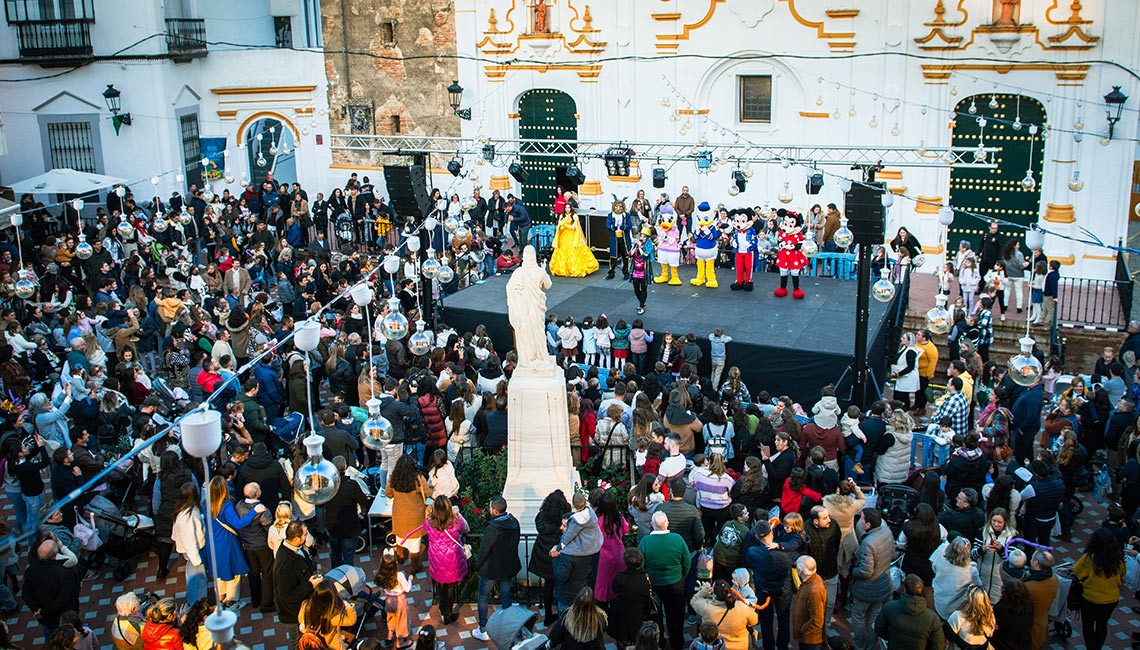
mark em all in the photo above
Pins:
pixel 751 520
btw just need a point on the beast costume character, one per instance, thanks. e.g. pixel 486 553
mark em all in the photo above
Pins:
pixel 747 245
pixel 620 225
pixel 668 246
pixel 705 237
pixel 791 259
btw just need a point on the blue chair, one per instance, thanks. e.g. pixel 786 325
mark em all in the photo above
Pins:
pixel 542 236
pixel 840 266
pixel 932 453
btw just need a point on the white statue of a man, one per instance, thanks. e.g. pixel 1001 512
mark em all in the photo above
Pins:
pixel 526 309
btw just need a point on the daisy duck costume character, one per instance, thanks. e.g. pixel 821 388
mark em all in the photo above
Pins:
pixel 747 245
pixel 668 246
pixel 705 237
pixel 791 259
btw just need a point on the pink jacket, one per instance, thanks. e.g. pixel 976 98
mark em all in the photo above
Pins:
pixel 637 343
pixel 446 562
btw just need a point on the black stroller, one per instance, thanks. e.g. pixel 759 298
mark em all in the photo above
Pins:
pixel 124 536
pixel 897 504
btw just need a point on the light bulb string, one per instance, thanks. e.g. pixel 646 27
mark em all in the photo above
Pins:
pixel 1034 91
pixel 1090 239
pixel 78 492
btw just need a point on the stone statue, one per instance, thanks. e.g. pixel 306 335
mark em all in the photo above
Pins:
pixel 526 309
pixel 540 9
pixel 1005 19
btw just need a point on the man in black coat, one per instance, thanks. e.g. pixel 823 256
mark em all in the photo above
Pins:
pixel 992 243
pixel 342 516
pixel 338 442
pixel 50 586
pixel 263 469
pixel 294 576
pixel 498 562
pixel 874 427
pixel 965 518
pixel 255 541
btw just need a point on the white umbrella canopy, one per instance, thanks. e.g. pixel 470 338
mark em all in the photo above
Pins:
pixel 65 181
pixel 7 209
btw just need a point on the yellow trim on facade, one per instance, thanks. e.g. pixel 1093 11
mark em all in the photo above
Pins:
pixel 260 114
pixel 371 168
pixel 932 250
pixel 889 174
pixel 263 90
pixel 815 115
pixel 928 204
pixel 1059 213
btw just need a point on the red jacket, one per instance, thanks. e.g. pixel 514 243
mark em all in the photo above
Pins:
pixel 433 421
pixel 790 499
pixel 160 636
pixel 830 439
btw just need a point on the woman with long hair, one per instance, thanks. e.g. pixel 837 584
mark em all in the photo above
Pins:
pixel 1101 572
pixel 1071 459
pixel 779 465
pixel 324 613
pixel 750 489
pixel 996 534
pixel 231 564
pixel 714 489
pixel 409 493
pixel 548 525
pixel 920 536
pixel 583 626
pixel 1003 494
pixel 632 597
pixel 733 384
pixel 447 561
pixel 1013 617
pixel 643 498
pixel 193 630
pixel 441 476
pixel 610 558
pixel 972 624
pixel 189 535
pixel 953 572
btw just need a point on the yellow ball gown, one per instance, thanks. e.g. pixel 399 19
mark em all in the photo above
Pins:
pixel 572 257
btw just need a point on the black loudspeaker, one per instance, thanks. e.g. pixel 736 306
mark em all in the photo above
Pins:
pixel 407 189
pixel 575 175
pixel 865 213
pixel 518 171
pixel 814 183
pixel 659 177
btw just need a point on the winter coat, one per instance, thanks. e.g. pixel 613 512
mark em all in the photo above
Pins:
pixel 894 465
pixel 446 562
pixel 168 490
pixel 906 367
pixel 907 624
pixel 950 581
pixel 965 472
pixel 630 606
pixel 227 547
pixel 264 470
pixel 433 420
pixel 498 553
pixel 160 636
pixel 408 510
pixel 872 577
pixel 808 611
pixel 831 439
pixel 549 534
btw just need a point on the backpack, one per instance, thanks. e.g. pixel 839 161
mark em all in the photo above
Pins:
pixel 729 538
pixel 716 443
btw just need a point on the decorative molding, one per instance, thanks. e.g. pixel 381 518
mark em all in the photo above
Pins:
pixel 889 174
pixel 303 110
pixel 513 116
pixel 689 111
pixel 500 183
pixel 672 41
pixel 263 90
pixel 1073 19
pixel 1059 213
pixel 586 73
pixel 260 114
pixel 670 17
pixel 370 168
pixel 1099 258
pixel 927 204
pixel 1066 73
pixel 901 189
pixel 1067 260
pixel 227 115
pixel 1074 38
pixel 932 250
pixel 815 115
pixel 841 46
pixel 841 13
pixel 590 188
pixel 66 94
pixel 1063 162
pixel 837 41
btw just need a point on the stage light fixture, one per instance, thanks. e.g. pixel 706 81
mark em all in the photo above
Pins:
pixel 618 161
pixel 704 160
pixel 659 177
pixel 455 167
pixel 518 172
pixel 740 180
pixel 575 175
pixel 814 183
pixel 489 152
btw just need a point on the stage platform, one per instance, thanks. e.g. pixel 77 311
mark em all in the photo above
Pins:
pixel 785 346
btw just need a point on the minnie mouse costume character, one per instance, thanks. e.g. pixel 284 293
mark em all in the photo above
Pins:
pixel 790 259
pixel 747 245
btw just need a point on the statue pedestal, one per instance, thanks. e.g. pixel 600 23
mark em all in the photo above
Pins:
pixel 538 441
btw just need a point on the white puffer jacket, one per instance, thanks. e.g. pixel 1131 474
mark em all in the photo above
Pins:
pixel 893 466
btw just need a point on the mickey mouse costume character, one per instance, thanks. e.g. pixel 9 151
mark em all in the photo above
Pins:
pixel 704 240
pixel 746 244
pixel 790 259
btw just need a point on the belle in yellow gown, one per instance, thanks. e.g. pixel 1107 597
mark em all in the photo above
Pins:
pixel 572 257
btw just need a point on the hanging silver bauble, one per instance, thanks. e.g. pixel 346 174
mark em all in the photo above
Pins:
pixel 124 228
pixel 809 248
pixel 843 237
pixel 446 274
pixel 883 290
pixel 1024 369
pixel 159 225
pixel 419 344
pixel 430 269
pixel 317 480
pixel 394 325
pixel 84 251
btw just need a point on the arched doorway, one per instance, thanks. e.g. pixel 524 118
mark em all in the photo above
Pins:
pixel 545 114
pixel 997 192
pixel 271 147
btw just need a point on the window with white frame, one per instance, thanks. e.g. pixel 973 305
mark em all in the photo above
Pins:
pixel 71 145
pixel 755 98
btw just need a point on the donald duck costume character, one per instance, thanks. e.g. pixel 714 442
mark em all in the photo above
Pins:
pixel 705 239
pixel 668 246
pixel 747 245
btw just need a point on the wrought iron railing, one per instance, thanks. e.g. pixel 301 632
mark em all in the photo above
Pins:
pixel 1124 286
pixel 186 37
pixel 1088 301
pixel 62 38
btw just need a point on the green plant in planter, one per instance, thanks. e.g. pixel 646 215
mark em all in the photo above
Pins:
pixel 613 478
pixel 481 477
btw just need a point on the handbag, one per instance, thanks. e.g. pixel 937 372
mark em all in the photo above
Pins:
pixel 466 547
pixel 88 534
pixel 1076 600
pixel 391 603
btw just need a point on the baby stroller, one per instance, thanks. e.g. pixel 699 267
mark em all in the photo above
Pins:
pixel 174 400
pixel 513 629
pixel 897 503
pixel 1059 611
pixel 287 428
pixel 353 587
pixel 125 536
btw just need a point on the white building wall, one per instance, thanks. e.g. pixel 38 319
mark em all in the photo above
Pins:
pixel 281 83
pixel 623 100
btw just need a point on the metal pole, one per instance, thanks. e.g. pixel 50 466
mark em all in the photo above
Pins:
pixel 862 317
